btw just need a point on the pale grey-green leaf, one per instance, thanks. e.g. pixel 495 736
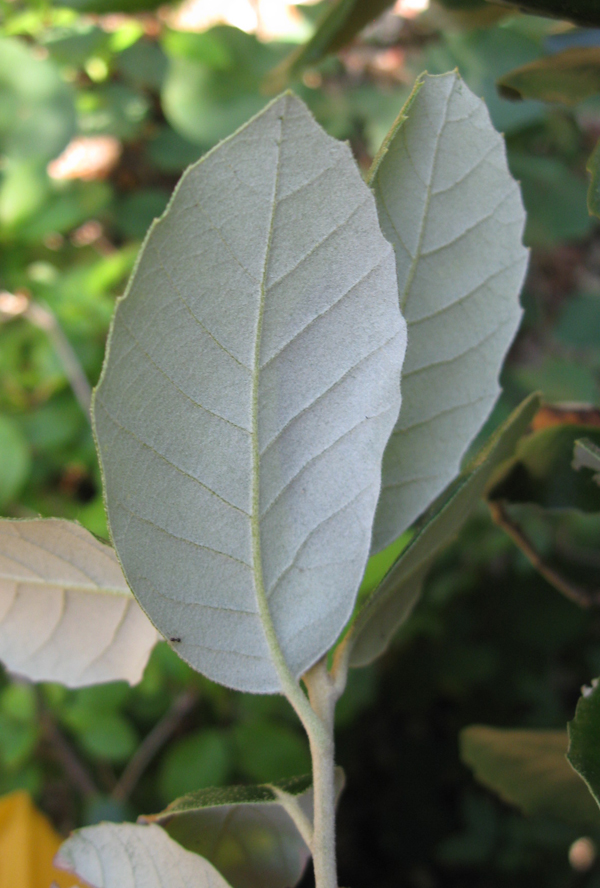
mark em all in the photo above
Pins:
pixel 250 386
pixel 66 613
pixel 124 855
pixel 392 601
pixel 453 212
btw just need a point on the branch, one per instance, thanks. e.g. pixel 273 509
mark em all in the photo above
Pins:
pixel 582 596
pixel 152 744
pixel 67 757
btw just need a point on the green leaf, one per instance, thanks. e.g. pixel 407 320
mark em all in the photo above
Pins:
pixel 582 12
pixel 593 168
pixel 541 470
pixel 66 613
pixel 391 603
pixel 584 730
pixel 529 769
pixel 125 855
pixel 200 759
pixel 250 386
pixel 453 213
pixel 554 198
pixel 244 831
pixel 15 461
pixel 270 750
pixel 37 112
pixel 568 77
pixel 587 456
pixel 212 83
pixel 340 23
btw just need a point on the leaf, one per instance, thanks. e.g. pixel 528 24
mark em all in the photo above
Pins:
pixel 587 456
pixel 14 460
pixel 391 603
pixel 541 470
pixel 66 613
pixel 584 730
pixel 125 855
pixel 23 829
pixel 340 23
pixel 453 213
pixel 582 12
pixel 249 388
pixel 213 81
pixel 568 77
pixel 244 831
pixel 38 111
pixel 593 168
pixel 529 769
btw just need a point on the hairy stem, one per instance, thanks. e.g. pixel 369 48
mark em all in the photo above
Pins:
pixel 323 694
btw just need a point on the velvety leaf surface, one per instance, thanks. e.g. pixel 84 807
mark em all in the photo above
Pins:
pixel 245 831
pixel 392 601
pixel 250 386
pixel 529 769
pixel 584 730
pixel 568 77
pixel 124 855
pixel 66 613
pixel 453 212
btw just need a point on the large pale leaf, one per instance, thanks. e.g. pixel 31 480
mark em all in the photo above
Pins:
pixel 250 386
pixel 66 613
pixel 450 207
pixel 245 831
pixel 392 601
pixel 124 855
pixel 530 769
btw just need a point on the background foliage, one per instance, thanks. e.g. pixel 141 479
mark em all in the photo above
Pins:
pixel 102 105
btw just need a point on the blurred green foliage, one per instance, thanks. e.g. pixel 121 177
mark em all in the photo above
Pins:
pixel 99 114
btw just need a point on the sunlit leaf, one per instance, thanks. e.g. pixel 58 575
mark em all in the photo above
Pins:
pixel 124 855
pixel 529 769
pixel 391 603
pixel 66 613
pixel 453 212
pixel 241 477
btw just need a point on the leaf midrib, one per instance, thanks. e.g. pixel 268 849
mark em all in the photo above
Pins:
pixel 264 612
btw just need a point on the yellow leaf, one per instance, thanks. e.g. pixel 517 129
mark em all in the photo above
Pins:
pixel 28 844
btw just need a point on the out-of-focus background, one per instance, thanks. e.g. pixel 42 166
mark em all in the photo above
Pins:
pixel 103 103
